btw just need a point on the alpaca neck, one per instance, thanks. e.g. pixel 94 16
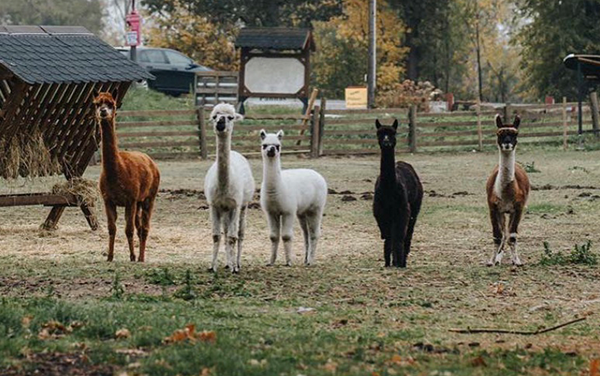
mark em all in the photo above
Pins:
pixel 271 174
pixel 387 171
pixel 223 154
pixel 506 170
pixel 110 150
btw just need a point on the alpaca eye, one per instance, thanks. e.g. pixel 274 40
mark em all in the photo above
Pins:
pixel 214 117
pixel 264 147
pixel 277 147
pixel 230 117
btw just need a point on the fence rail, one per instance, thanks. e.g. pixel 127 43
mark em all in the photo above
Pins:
pixel 188 133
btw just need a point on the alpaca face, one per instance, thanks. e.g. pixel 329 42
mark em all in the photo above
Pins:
pixel 507 134
pixel 271 144
pixel 105 105
pixel 386 134
pixel 223 116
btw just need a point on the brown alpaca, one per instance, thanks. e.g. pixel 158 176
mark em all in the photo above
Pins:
pixel 128 179
pixel 507 192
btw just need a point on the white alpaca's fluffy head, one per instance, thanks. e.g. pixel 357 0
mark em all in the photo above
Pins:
pixel 271 143
pixel 222 116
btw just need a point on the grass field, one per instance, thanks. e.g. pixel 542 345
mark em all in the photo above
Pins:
pixel 65 311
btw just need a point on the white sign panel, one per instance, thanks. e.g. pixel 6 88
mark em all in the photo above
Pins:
pixel 282 75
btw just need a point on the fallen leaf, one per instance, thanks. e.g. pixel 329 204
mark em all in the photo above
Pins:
pixel 208 336
pixel 396 359
pixel 205 372
pixel 305 310
pixel 594 367
pixel 26 320
pixel 122 333
pixel 478 362
pixel 330 366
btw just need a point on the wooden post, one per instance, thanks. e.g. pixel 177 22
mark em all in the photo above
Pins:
pixel 311 102
pixel 202 130
pixel 507 113
pixel 322 125
pixel 479 131
pixel 314 133
pixel 564 116
pixel 412 128
pixel 594 108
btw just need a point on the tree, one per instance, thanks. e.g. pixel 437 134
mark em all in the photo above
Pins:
pixel 87 13
pixel 556 29
pixel 342 48
pixel 253 13
pixel 420 18
pixel 195 36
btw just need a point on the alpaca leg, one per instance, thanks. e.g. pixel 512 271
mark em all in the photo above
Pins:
pixel 287 233
pixel 306 234
pixel 498 227
pixel 274 221
pixel 314 228
pixel 387 251
pixel 216 230
pixel 241 232
pixel 513 227
pixel 144 227
pixel 398 237
pixel 233 222
pixel 414 210
pixel 130 213
pixel 111 218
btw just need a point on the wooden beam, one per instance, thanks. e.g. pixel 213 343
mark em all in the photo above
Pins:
pixel 46 199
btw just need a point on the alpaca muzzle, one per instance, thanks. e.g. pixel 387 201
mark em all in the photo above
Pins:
pixel 220 125
pixel 271 152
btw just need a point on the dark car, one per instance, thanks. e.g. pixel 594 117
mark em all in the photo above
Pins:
pixel 173 70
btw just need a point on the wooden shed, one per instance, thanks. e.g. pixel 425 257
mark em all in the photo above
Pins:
pixel 48 76
pixel 274 62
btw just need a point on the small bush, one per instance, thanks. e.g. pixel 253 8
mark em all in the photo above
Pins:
pixel 581 254
pixel 529 167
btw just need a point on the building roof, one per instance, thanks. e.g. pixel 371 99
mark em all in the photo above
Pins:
pixel 275 38
pixel 63 54
pixel 590 65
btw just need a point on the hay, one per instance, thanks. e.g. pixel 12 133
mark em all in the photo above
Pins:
pixel 85 190
pixel 27 156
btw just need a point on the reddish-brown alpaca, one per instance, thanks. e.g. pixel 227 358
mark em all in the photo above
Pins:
pixel 128 179
pixel 507 192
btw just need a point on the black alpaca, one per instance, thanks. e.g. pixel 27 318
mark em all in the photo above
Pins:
pixel 398 196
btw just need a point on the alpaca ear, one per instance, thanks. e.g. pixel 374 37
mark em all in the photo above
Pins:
pixel 263 134
pixel 95 93
pixel 377 124
pixel 280 134
pixel 517 121
pixel 499 123
pixel 239 117
pixel 395 125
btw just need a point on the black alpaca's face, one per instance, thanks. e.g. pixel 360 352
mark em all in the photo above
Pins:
pixel 507 134
pixel 386 134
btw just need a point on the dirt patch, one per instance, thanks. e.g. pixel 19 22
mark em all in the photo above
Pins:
pixel 59 364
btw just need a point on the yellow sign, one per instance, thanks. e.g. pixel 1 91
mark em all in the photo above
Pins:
pixel 356 97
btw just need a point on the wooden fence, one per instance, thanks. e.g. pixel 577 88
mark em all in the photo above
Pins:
pixel 353 132
pixel 214 87
pixel 189 133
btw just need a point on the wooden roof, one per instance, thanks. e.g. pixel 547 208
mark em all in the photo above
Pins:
pixel 48 77
pixel 63 54
pixel 275 38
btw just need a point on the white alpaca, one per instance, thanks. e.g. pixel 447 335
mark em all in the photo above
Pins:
pixel 287 194
pixel 228 187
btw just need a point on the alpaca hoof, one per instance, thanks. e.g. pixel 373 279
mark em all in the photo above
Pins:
pixel 212 269
pixel 235 270
pixel 270 263
pixel 489 263
pixel 140 259
pixel 226 266
pixel 517 263
pixel 289 263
